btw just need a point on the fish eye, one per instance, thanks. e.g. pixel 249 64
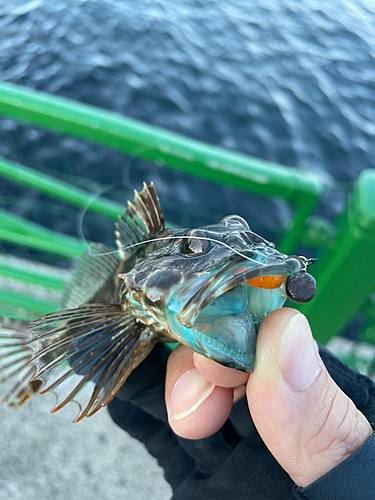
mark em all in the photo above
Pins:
pixel 300 287
pixel 194 246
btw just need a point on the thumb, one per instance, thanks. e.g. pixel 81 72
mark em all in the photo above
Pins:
pixel 305 420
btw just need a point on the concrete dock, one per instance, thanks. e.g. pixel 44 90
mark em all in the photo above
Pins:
pixel 46 457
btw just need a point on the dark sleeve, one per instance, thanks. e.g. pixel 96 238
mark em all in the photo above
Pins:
pixel 354 478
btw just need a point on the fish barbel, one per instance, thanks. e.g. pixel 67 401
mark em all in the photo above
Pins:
pixel 207 288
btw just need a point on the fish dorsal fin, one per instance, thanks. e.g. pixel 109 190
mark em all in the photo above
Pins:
pixel 93 270
pixel 141 220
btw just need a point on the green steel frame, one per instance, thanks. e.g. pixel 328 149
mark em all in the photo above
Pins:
pixel 303 189
pixel 345 271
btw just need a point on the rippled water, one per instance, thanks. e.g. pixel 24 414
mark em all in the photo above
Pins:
pixel 289 81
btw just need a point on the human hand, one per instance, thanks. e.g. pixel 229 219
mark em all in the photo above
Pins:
pixel 306 421
pixel 234 462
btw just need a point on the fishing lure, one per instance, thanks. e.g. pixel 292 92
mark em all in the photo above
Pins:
pixel 207 288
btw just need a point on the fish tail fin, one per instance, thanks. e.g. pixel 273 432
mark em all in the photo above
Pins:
pixel 86 354
pixel 14 358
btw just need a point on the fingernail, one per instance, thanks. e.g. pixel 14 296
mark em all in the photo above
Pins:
pixel 299 362
pixel 188 393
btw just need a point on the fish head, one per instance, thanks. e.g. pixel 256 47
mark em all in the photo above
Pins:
pixel 211 287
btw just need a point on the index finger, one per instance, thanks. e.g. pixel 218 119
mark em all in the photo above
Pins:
pixel 218 374
pixel 196 407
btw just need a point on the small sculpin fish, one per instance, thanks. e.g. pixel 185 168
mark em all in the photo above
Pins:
pixel 208 288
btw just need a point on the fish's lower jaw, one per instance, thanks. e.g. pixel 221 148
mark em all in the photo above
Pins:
pixel 231 302
pixel 226 329
pixel 237 331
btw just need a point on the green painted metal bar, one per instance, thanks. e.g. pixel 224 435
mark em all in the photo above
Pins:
pixel 345 274
pixel 36 236
pixel 19 225
pixel 293 235
pixel 32 275
pixel 7 311
pixel 164 148
pixel 23 240
pixel 17 300
pixel 58 189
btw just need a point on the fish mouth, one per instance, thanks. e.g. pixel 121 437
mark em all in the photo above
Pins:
pixel 236 272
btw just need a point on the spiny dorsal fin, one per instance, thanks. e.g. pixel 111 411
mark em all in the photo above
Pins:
pixel 86 354
pixel 142 219
pixel 94 269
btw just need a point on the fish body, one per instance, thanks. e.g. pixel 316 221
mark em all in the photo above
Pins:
pixel 208 288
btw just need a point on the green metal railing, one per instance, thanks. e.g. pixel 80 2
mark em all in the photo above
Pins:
pixel 15 230
pixel 345 271
pixel 302 189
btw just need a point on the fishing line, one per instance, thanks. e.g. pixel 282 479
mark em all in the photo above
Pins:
pixel 126 183
pixel 127 168
pixel 178 238
pixel 82 213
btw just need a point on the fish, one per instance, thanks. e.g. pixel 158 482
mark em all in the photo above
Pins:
pixel 208 288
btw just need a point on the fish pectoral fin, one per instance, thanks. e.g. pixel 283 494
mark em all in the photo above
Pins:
pixel 142 219
pixel 86 354
pixel 14 358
